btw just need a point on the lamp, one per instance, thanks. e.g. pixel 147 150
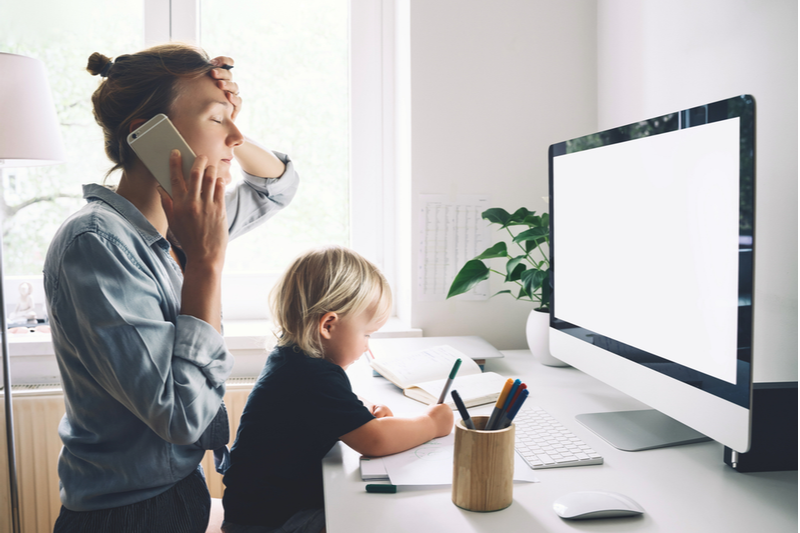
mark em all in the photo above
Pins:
pixel 29 136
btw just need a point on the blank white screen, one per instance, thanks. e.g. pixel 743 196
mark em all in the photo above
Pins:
pixel 646 241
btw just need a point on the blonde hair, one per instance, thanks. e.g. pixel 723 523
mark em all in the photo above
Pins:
pixel 323 280
pixel 140 86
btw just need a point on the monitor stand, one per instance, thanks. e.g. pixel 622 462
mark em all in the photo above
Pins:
pixel 633 431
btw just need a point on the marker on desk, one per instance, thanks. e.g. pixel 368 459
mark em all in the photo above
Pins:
pixel 381 488
pixel 510 403
pixel 449 381
pixel 462 409
pixel 495 424
pixel 509 416
pixel 501 400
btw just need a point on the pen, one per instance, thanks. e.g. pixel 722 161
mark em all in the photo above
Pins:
pixel 227 67
pixel 501 400
pixel 496 423
pixel 512 412
pixel 381 488
pixel 449 381
pixel 462 409
pixel 509 404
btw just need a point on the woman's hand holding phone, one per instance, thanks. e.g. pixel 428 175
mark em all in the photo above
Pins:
pixel 197 216
pixel 196 211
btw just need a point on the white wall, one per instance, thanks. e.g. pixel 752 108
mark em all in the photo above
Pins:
pixel 492 85
pixel 661 56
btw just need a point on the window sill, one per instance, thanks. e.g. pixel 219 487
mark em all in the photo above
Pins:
pixel 33 359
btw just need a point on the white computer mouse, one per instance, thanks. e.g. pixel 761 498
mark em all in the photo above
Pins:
pixel 595 504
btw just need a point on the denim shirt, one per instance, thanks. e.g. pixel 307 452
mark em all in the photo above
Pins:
pixel 141 382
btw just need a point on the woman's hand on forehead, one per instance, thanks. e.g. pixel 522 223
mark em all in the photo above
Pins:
pixel 224 79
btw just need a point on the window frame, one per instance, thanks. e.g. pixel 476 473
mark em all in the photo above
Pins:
pixel 380 169
pixel 373 201
pixel 372 139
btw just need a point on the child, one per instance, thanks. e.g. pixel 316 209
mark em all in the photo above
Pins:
pixel 326 306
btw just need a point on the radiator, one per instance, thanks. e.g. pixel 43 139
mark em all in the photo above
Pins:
pixel 38 409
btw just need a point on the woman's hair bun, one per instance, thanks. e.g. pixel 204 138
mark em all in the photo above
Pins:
pixel 97 63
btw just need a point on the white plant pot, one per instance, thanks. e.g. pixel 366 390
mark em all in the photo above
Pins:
pixel 538 332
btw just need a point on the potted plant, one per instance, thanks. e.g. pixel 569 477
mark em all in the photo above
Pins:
pixel 529 271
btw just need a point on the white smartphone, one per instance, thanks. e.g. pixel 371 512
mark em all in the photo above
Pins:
pixel 153 141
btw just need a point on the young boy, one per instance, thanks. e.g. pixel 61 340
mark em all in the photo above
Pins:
pixel 325 306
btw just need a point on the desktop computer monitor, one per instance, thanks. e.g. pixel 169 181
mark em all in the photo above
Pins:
pixel 652 271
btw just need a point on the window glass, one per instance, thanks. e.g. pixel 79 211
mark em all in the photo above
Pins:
pixel 292 69
pixel 36 200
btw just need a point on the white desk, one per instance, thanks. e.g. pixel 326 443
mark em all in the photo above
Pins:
pixel 683 489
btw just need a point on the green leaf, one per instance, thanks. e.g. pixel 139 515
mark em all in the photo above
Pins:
pixel 502 292
pixel 472 273
pixel 514 271
pixel 527 281
pixel 512 263
pixel 538 279
pixel 547 290
pixel 498 250
pixel 520 216
pixel 533 234
pixel 538 221
pixel 497 215
pixel 532 280
pixel 531 245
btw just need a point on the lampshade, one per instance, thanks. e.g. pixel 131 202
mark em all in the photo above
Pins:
pixel 29 133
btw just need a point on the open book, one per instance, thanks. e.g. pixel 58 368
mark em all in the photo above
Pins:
pixel 422 376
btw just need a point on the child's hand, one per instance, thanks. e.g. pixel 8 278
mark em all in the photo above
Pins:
pixel 442 417
pixel 380 411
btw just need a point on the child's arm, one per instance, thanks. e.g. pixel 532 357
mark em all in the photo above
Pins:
pixel 378 411
pixel 385 436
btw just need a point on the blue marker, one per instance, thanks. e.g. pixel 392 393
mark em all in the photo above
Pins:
pixel 512 412
pixel 495 421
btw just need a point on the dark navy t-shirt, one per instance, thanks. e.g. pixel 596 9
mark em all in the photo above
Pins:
pixel 298 409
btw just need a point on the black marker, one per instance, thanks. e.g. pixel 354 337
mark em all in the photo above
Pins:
pixel 381 489
pixel 462 409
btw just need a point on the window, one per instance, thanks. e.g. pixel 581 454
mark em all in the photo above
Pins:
pixel 294 67
pixel 62 35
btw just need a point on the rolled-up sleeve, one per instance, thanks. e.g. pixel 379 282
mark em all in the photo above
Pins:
pixel 115 320
pixel 254 200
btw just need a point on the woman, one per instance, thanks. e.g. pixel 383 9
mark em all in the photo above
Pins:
pixel 133 292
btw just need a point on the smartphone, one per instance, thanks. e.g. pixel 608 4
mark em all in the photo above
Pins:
pixel 153 141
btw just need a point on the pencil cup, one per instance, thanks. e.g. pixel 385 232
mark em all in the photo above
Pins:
pixel 483 467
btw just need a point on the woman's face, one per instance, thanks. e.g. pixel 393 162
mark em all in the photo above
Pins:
pixel 202 114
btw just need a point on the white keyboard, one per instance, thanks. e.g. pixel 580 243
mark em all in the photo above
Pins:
pixel 544 443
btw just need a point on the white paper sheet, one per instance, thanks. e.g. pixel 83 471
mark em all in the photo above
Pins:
pixel 451 233
pixel 432 464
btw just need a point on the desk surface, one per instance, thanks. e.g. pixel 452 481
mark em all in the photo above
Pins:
pixel 682 489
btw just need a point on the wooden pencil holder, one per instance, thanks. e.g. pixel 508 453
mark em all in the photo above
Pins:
pixel 483 467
